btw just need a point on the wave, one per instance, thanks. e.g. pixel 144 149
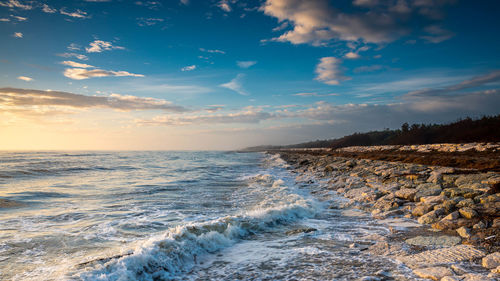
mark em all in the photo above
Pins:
pixel 175 251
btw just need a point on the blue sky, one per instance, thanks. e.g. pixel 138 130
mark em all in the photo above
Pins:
pixel 227 74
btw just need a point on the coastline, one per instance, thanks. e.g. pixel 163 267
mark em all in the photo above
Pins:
pixel 444 221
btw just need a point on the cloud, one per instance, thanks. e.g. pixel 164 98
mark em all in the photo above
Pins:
pixel 98 46
pixel 76 64
pixel 25 78
pixel 19 18
pixel 4 19
pixel 481 80
pixel 184 2
pixel 149 21
pixel 81 73
pixel 248 115
pixel 15 97
pixel 214 107
pixel 47 9
pixel 188 68
pixel 16 4
pixel 314 95
pixel 76 14
pixel 74 47
pixel 73 55
pixel 152 5
pixel 224 5
pixel 352 55
pixel 236 85
pixel 245 64
pixel 437 34
pixel 317 22
pixel 328 71
pixel 18 35
pixel 212 51
pixel 368 68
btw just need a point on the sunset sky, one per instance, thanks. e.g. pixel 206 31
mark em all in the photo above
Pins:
pixel 192 74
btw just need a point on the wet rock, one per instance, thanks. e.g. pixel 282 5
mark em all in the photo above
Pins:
pixel 406 193
pixel 434 273
pixel 464 232
pixel 442 240
pixel 385 249
pixel 441 256
pixel 467 213
pixel 428 218
pixel 491 260
pixel 300 230
pixel 421 209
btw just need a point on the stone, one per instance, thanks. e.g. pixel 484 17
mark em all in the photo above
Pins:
pixel 406 193
pixel 475 277
pixel 432 200
pixel 434 273
pixel 421 209
pixel 464 232
pixel 442 240
pixel 450 224
pixel 450 278
pixel 496 270
pixel 459 269
pixel 441 256
pixel 427 189
pixel 467 212
pixel 492 260
pixel 448 206
pixel 465 203
pixel 479 225
pixel 428 218
pixel 452 216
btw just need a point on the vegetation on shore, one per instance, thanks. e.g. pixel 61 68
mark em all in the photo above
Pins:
pixel 485 129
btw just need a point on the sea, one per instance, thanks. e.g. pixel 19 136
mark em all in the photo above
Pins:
pixel 176 215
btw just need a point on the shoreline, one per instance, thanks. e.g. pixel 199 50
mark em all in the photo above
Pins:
pixel 444 221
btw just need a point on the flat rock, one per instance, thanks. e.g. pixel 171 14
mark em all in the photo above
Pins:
pixel 450 278
pixel 434 273
pixel 442 256
pixel 476 277
pixel 464 232
pixel 443 240
pixel 467 212
pixel 491 260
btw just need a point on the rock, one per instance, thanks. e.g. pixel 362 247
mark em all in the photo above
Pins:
pixel 442 240
pixel 479 225
pixel 448 206
pixel 441 256
pixel 406 193
pixel 385 249
pixel 450 278
pixel 432 200
pixel 300 230
pixel 464 232
pixel 450 224
pixel 491 260
pixel 496 270
pixel 495 223
pixel 475 277
pixel 6 203
pixel 452 216
pixel 428 218
pixel 467 212
pixel 465 203
pixel 421 209
pixel 434 273
pixel 459 269
pixel 427 189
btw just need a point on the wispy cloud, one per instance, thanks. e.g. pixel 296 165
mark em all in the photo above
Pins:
pixel 73 55
pixel 352 55
pixel 437 34
pixel 47 9
pixel 149 21
pixel 76 14
pixel 18 35
pixel 25 78
pixel 19 18
pixel 236 85
pixel 16 4
pixel 314 95
pixel 15 97
pixel 224 5
pixel 77 64
pixel 82 73
pixel 212 51
pixel 98 46
pixel 188 68
pixel 328 71
pixel 246 64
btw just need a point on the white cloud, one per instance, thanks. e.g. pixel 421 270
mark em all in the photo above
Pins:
pixel 328 71
pixel 437 34
pixel 352 55
pixel 4 19
pixel 16 4
pixel 47 9
pixel 18 35
pixel 76 14
pixel 25 98
pixel 19 18
pixel 224 5
pixel 188 68
pixel 212 51
pixel 246 64
pixel 149 21
pixel 184 2
pixel 76 64
pixel 236 85
pixel 81 73
pixel 74 47
pixel 98 46
pixel 25 78
pixel 73 55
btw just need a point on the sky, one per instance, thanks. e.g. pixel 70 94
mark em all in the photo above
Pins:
pixel 227 74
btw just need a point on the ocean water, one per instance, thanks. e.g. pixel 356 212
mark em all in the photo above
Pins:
pixel 177 216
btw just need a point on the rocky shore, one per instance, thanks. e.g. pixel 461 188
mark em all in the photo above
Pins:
pixel 451 215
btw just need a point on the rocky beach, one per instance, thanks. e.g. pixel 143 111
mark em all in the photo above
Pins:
pixel 440 202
